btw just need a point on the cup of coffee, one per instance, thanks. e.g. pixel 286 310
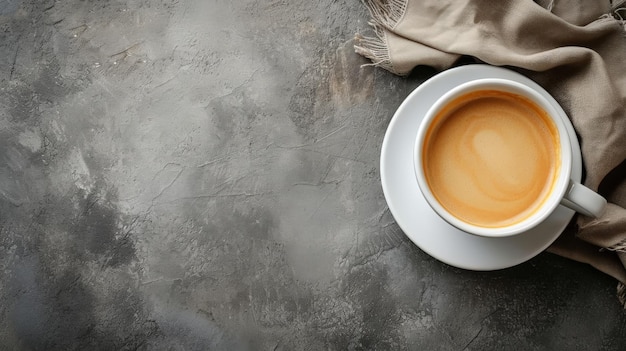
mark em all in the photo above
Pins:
pixel 493 158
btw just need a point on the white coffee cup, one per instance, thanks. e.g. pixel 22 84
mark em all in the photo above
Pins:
pixel 564 190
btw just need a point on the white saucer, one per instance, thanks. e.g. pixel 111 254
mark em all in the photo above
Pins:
pixel 413 214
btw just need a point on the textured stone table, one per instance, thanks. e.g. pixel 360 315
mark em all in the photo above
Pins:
pixel 204 175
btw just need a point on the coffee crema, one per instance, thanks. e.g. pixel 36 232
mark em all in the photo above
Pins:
pixel 491 158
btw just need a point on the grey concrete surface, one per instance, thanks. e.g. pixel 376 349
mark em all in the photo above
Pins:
pixel 203 175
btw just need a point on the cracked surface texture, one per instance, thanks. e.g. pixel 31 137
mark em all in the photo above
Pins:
pixel 203 175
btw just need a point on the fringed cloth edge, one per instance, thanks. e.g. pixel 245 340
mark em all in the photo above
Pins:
pixel 385 14
pixel 619 247
pixel 621 286
pixel 618 12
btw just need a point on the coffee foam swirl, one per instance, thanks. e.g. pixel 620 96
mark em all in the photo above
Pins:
pixel 490 158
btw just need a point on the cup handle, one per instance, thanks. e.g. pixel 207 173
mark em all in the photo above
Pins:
pixel 583 200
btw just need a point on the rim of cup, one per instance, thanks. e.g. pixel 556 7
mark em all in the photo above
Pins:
pixel 561 182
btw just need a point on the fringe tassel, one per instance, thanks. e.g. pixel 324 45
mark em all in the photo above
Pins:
pixel 621 294
pixel 615 5
pixel 619 17
pixel 385 14
pixel 375 49
pixel 618 11
pixel 619 247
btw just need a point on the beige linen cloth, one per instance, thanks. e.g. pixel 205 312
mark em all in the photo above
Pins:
pixel 575 49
